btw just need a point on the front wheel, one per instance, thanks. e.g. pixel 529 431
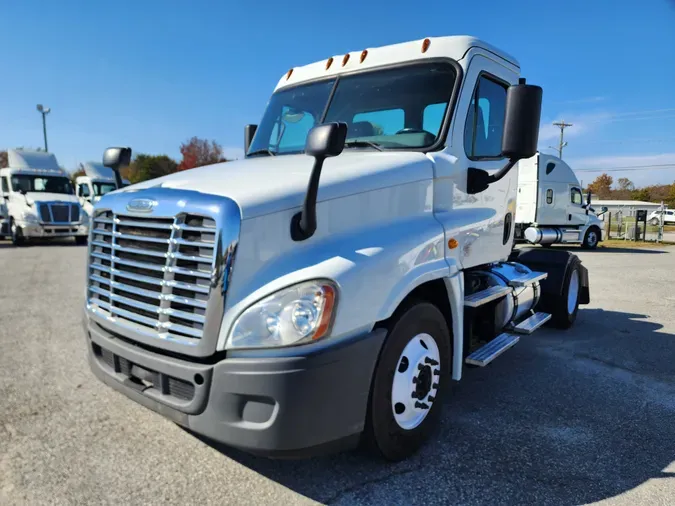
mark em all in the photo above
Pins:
pixel 411 375
pixel 17 236
pixel 591 239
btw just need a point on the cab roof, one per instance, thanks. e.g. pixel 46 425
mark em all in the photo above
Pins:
pixel 33 162
pixel 454 47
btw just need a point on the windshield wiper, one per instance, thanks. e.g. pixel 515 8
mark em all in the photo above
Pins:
pixel 363 144
pixel 263 152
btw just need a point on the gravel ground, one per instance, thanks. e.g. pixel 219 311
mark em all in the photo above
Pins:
pixel 564 418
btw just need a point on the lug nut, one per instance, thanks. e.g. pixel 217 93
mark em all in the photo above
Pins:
pixel 437 372
pixel 414 379
pixel 435 385
pixel 421 405
pixel 431 398
pixel 414 395
pixel 430 361
pixel 420 367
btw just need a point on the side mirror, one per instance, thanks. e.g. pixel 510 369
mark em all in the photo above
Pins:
pixel 249 132
pixel 116 158
pixel 520 137
pixel 22 191
pixel 323 141
pixel 521 121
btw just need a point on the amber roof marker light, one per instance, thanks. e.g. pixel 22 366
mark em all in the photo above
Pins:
pixel 288 74
pixel 425 45
pixel 364 53
pixel 345 59
pixel 329 62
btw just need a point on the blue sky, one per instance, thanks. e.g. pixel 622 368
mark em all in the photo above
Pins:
pixel 151 74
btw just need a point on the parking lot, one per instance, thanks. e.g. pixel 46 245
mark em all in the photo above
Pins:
pixel 564 418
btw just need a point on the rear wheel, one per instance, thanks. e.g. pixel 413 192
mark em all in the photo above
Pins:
pixel 591 239
pixel 564 307
pixel 411 375
pixel 17 235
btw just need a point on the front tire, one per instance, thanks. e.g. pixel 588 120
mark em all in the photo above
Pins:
pixel 17 236
pixel 591 239
pixel 410 378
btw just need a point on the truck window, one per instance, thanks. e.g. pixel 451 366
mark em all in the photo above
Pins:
pixel 84 190
pixel 103 188
pixel 432 118
pixel 43 184
pixel 383 106
pixel 575 196
pixel 385 122
pixel 5 186
pixel 485 120
pixel 549 196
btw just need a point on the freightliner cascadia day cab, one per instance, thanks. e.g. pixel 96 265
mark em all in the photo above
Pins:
pixel 97 181
pixel 39 199
pixel 327 289
pixel 550 207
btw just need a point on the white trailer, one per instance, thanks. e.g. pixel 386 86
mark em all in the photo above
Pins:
pixel 550 205
pixel 39 200
pixel 327 289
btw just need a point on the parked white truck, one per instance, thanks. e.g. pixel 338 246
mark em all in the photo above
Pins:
pixel 326 289
pixel 97 181
pixel 550 206
pixel 39 199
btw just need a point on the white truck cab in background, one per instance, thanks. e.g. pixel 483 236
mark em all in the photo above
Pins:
pixel 97 181
pixel 327 289
pixel 39 199
pixel 551 208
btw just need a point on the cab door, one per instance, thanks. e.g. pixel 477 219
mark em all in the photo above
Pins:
pixel 576 212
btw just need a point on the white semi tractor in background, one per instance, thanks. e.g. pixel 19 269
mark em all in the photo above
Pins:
pixel 327 289
pixel 551 208
pixel 38 200
pixel 97 181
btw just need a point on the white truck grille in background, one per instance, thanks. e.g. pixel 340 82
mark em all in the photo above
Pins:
pixel 155 273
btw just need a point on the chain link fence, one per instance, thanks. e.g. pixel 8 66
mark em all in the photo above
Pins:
pixel 624 225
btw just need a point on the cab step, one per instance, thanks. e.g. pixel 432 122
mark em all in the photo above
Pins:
pixel 487 295
pixel 532 323
pixel 528 279
pixel 488 352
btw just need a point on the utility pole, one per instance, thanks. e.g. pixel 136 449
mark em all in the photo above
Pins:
pixel 562 125
pixel 44 111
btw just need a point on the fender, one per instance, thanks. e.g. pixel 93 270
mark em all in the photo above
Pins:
pixel 556 262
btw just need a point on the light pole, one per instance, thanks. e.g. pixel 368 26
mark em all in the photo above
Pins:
pixel 44 111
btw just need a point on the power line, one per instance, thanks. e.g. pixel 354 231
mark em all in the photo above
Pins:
pixel 664 166
pixel 562 125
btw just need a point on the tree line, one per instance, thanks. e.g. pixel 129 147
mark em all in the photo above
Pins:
pixel 604 188
pixel 195 152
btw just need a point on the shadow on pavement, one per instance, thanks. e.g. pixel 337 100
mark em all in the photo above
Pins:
pixel 566 417
pixel 7 244
pixel 610 249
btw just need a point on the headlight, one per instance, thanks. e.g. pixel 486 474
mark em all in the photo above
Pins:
pixel 29 217
pixel 294 315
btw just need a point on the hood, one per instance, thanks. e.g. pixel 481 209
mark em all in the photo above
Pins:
pixel 50 197
pixel 268 184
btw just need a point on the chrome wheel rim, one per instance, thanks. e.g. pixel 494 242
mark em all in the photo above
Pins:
pixel 573 292
pixel 592 238
pixel 415 382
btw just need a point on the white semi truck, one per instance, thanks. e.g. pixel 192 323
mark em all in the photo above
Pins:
pixel 327 289
pixel 97 181
pixel 39 200
pixel 550 206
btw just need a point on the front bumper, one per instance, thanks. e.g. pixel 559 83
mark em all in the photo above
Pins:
pixel 45 230
pixel 312 402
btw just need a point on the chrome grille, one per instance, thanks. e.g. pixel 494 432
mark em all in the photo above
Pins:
pixel 155 273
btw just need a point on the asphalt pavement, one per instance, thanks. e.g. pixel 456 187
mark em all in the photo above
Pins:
pixel 575 417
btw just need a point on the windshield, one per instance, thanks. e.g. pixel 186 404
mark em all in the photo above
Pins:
pixel 44 184
pixel 103 188
pixel 398 108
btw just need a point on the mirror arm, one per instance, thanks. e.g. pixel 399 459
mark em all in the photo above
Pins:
pixel 303 225
pixel 503 171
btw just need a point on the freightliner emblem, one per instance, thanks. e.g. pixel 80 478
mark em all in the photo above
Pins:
pixel 141 205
